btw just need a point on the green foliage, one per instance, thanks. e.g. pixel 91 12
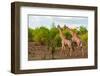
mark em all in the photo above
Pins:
pixel 57 41
pixel 67 34
pixel 53 32
pixel 51 37
pixel 76 30
pixel 30 34
pixel 83 30
pixel 84 37
pixel 83 34
pixel 41 35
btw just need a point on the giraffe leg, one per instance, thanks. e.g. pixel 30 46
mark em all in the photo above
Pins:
pixel 78 45
pixel 62 49
pixel 62 46
pixel 82 51
pixel 70 51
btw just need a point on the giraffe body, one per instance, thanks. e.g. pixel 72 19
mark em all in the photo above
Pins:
pixel 64 41
pixel 75 39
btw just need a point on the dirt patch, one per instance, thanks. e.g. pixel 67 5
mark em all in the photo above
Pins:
pixel 41 52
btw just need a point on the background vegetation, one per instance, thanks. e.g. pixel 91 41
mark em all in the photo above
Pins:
pixel 51 38
pixel 45 43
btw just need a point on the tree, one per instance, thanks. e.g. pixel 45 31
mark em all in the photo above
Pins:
pixel 30 34
pixel 41 35
pixel 67 34
pixel 83 30
pixel 84 37
pixel 53 32
pixel 57 41
pixel 83 34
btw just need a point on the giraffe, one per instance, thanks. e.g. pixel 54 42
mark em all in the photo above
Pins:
pixel 75 38
pixel 64 40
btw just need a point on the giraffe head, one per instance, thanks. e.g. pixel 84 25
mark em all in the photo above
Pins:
pixel 66 27
pixel 59 27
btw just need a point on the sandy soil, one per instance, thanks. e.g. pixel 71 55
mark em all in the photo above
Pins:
pixel 41 52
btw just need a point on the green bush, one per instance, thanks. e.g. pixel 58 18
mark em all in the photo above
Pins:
pixel 83 34
pixel 67 34
pixel 84 37
pixel 53 32
pixel 57 41
pixel 51 37
pixel 82 30
pixel 30 34
pixel 41 35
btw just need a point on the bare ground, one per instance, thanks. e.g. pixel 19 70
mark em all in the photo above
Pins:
pixel 41 52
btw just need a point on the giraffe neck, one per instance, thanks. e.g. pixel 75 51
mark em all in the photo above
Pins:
pixel 74 34
pixel 61 34
pixel 70 31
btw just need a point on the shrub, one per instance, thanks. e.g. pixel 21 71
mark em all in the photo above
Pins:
pixel 82 30
pixel 67 34
pixel 41 35
pixel 30 34
pixel 51 37
pixel 53 32
pixel 84 37
pixel 57 41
